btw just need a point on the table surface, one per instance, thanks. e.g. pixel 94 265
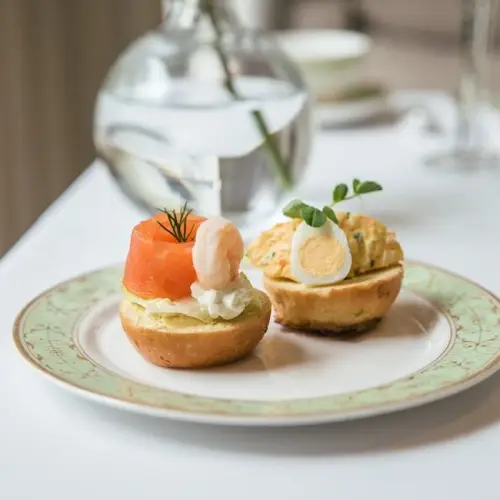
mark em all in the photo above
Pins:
pixel 52 445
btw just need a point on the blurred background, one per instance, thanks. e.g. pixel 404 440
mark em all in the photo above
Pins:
pixel 54 55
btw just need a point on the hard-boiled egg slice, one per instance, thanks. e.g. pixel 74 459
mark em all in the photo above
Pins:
pixel 320 255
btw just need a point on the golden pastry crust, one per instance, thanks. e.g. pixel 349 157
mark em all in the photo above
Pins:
pixel 196 345
pixel 352 305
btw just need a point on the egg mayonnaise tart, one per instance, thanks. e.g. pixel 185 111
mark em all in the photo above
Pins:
pixel 330 271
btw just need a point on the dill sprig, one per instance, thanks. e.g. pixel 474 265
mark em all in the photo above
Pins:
pixel 178 223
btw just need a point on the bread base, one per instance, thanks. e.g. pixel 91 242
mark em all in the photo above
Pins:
pixel 199 346
pixel 352 306
pixel 337 330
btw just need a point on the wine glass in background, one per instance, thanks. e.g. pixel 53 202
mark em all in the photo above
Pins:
pixel 470 149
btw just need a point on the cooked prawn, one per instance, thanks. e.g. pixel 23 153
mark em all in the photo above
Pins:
pixel 217 253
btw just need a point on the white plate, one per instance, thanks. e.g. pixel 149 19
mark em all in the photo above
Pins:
pixel 441 336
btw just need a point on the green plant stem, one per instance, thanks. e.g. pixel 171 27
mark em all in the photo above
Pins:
pixel 331 205
pixel 277 162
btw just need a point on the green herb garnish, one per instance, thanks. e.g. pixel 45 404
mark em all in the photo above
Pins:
pixel 314 217
pixel 367 187
pixel 340 192
pixel 293 209
pixel 328 211
pixel 178 223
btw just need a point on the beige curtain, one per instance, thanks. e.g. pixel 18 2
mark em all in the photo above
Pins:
pixel 53 56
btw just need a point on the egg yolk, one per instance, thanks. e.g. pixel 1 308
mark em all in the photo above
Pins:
pixel 321 256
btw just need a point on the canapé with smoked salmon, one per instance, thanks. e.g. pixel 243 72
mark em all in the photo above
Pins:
pixel 186 304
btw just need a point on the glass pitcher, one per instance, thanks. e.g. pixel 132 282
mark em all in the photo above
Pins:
pixel 204 111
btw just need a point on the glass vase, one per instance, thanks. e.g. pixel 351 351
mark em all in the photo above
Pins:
pixel 204 111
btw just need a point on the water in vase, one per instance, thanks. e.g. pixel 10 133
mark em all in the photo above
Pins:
pixel 176 139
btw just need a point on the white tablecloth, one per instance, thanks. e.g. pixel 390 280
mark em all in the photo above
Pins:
pixel 53 446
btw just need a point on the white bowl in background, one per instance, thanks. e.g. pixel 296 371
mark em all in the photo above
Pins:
pixel 329 59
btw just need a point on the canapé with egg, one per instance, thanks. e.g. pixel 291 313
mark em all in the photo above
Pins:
pixel 329 271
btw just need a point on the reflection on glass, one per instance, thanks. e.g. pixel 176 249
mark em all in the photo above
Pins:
pixel 470 150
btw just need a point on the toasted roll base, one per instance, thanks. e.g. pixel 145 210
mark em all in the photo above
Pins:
pixel 354 305
pixel 199 345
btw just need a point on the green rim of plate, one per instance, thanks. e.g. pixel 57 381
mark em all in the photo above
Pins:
pixel 43 334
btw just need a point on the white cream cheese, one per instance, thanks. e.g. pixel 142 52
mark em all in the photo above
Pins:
pixel 205 305
pixel 228 303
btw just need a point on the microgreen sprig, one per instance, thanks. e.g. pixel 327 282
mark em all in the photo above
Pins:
pixel 178 223
pixel 315 217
